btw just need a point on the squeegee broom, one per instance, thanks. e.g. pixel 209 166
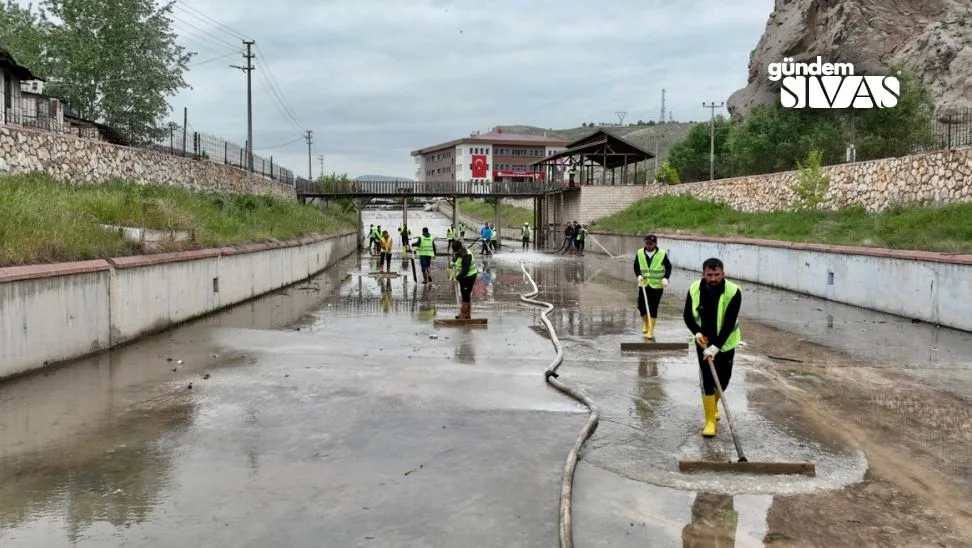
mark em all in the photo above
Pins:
pixel 743 465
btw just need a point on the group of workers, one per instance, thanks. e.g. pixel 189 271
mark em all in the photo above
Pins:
pixel 711 313
pixel 711 310
pixel 575 235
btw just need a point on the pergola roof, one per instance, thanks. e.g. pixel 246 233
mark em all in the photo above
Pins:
pixel 603 148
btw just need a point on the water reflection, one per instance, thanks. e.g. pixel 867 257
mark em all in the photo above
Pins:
pixel 714 522
pixel 101 479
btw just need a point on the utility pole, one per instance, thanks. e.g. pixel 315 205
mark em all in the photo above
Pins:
pixel 662 119
pixel 248 69
pixel 621 114
pixel 310 175
pixel 712 106
pixel 321 158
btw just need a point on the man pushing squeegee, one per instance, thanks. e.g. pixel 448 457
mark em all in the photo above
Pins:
pixel 712 315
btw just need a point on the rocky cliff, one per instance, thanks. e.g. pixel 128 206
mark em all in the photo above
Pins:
pixel 932 38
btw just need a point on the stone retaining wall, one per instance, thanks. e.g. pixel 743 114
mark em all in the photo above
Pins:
pixel 936 177
pixel 84 161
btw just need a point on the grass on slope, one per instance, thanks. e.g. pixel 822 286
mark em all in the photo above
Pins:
pixel 510 215
pixel 945 229
pixel 42 220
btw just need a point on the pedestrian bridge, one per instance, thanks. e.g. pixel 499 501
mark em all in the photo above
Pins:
pixel 426 189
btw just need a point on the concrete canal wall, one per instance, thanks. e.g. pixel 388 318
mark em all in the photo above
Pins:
pixel 927 286
pixel 53 313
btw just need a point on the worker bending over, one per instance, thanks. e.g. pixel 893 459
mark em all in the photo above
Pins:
pixel 653 268
pixel 426 250
pixel 384 261
pixel 465 271
pixel 712 315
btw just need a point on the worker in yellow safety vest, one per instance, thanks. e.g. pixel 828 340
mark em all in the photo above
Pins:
pixel 384 261
pixel 426 250
pixel 652 267
pixel 451 235
pixel 465 273
pixel 712 315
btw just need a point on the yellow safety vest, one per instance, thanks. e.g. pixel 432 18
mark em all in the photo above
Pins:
pixel 724 299
pixel 655 273
pixel 425 247
pixel 472 265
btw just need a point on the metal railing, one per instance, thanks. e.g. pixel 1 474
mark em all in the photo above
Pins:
pixel 41 112
pixel 424 188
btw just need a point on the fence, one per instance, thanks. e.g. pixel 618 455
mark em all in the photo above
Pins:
pixel 49 114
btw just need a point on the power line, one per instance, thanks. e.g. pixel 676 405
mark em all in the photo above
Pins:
pixel 281 145
pixel 204 33
pixel 273 84
pixel 215 59
pixel 277 103
pixel 186 8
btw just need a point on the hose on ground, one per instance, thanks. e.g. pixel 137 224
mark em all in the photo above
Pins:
pixel 551 376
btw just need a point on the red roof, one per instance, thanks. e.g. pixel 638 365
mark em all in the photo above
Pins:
pixel 498 137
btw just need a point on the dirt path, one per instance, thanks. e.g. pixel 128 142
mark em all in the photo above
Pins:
pixel 917 440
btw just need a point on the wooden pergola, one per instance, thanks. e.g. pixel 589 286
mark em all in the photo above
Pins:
pixel 601 149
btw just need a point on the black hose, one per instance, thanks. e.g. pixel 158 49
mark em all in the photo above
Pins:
pixel 550 375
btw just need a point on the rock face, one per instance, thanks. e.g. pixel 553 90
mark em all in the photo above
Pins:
pixel 932 38
pixel 84 161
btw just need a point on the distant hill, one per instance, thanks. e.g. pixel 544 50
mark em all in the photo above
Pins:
pixel 643 135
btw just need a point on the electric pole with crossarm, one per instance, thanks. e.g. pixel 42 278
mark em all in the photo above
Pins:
pixel 712 106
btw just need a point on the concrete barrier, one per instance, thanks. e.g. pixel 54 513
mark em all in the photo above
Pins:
pixel 927 286
pixel 54 313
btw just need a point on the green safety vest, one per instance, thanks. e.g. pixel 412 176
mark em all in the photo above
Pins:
pixel 451 233
pixel 492 234
pixel 525 231
pixel 472 265
pixel 374 233
pixel 727 295
pixel 425 247
pixel 583 233
pixel 655 273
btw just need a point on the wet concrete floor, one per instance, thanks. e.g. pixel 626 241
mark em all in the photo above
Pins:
pixel 333 413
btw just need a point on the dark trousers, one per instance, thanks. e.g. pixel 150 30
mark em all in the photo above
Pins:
pixel 723 367
pixel 465 287
pixel 654 297
pixel 385 259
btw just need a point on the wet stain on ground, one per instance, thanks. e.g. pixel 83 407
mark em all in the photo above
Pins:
pixel 335 413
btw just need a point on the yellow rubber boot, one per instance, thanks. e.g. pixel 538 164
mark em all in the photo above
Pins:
pixel 651 328
pixel 717 416
pixel 647 325
pixel 709 404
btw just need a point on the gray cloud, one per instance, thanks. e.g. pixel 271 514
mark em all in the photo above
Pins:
pixel 375 79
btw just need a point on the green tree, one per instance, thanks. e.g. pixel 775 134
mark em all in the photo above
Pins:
pixel 690 156
pixel 114 62
pixel 897 131
pixel 812 183
pixel 667 174
pixel 773 138
pixel 20 32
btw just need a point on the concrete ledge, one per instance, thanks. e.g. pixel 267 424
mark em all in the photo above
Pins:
pixel 920 285
pixel 934 256
pixel 14 273
pixel 59 312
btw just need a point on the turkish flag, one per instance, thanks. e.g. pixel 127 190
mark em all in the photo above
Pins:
pixel 479 166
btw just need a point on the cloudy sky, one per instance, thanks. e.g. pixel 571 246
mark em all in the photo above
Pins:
pixel 374 79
